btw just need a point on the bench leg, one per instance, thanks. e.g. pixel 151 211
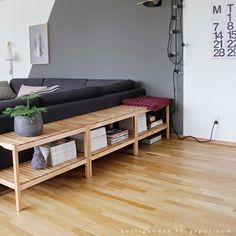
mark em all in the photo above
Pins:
pixel 135 131
pixel 16 171
pixel 87 154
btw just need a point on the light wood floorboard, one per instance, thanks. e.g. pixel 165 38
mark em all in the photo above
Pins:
pixel 174 188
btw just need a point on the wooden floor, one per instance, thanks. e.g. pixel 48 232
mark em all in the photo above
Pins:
pixel 173 188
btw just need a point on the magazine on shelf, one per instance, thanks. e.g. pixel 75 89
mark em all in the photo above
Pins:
pixel 152 139
pixel 142 123
pixel 118 139
pixel 98 140
pixel 151 118
pixel 113 133
pixel 155 123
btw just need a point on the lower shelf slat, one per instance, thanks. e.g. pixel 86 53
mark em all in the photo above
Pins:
pixel 30 177
pixel 112 148
pixel 152 131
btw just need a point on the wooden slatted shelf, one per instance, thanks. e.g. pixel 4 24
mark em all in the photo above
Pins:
pixel 112 148
pixel 51 132
pixel 152 131
pixel 30 177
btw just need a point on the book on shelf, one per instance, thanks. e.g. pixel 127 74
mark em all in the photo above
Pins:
pixel 117 139
pixel 114 133
pixel 59 151
pixel 98 140
pixel 155 123
pixel 152 139
pixel 142 123
pixel 151 118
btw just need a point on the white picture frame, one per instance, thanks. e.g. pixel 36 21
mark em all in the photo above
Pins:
pixel 39 45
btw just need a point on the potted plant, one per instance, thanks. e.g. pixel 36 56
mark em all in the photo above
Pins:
pixel 28 120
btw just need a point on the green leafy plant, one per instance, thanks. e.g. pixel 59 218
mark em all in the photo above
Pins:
pixel 27 110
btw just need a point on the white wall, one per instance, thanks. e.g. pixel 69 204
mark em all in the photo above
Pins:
pixel 15 18
pixel 209 84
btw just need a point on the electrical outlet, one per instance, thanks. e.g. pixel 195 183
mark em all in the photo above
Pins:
pixel 217 119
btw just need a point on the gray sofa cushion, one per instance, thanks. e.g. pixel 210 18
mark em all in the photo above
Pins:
pixel 101 82
pixel 116 87
pixel 68 96
pixel 6 91
pixel 16 83
pixel 66 84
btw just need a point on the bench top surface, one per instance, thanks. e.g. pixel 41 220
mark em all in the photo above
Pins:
pixel 68 127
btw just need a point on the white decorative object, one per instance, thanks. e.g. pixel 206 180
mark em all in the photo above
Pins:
pixel 57 153
pixel 223 28
pixel 10 58
pixel 39 49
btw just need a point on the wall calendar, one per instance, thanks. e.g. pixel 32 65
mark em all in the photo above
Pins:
pixel 224 28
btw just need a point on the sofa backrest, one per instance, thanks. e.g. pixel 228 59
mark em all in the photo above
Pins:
pixel 16 83
pixel 101 82
pixel 104 86
pixel 117 87
pixel 68 96
pixel 65 84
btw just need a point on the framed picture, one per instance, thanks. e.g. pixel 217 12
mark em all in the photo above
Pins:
pixel 39 48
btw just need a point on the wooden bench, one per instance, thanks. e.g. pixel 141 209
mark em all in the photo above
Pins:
pixel 22 176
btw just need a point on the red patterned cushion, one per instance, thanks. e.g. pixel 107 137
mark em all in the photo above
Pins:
pixel 151 103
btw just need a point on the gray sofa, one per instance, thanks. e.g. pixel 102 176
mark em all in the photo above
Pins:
pixel 75 97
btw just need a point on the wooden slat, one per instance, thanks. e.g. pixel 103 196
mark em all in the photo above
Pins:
pixel 152 131
pixel 112 148
pixel 51 133
pixel 30 177
pixel 50 138
pixel 109 121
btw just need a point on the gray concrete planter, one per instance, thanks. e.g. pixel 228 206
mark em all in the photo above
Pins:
pixel 28 127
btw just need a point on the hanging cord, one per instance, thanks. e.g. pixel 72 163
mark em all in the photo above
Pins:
pixel 175 42
pixel 175 52
pixel 192 137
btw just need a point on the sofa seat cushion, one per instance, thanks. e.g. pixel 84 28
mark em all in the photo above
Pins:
pixel 16 83
pixel 66 84
pixel 116 87
pixel 68 96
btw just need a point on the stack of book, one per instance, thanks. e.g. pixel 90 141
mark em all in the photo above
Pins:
pixel 116 135
pixel 98 140
pixel 59 151
pixel 152 139
pixel 142 123
pixel 152 122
